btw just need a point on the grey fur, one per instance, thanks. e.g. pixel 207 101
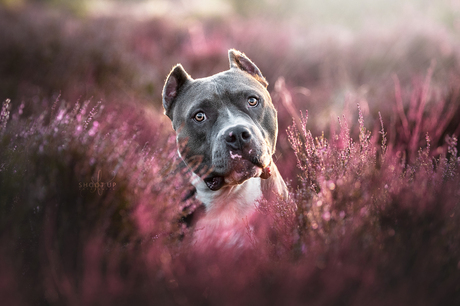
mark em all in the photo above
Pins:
pixel 223 98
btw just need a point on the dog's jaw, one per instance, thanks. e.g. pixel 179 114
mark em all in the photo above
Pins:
pixel 229 211
pixel 231 202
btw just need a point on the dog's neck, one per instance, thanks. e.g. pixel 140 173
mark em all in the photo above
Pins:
pixel 231 212
pixel 230 204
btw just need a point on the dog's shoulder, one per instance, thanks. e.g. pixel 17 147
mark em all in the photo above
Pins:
pixel 192 211
pixel 189 208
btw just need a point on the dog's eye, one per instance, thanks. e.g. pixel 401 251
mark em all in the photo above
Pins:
pixel 253 101
pixel 200 116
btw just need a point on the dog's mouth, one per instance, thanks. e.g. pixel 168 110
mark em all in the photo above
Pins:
pixel 215 182
pixel 240 172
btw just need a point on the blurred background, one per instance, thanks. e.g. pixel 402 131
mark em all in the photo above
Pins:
pixel 320 56
pixel 377 218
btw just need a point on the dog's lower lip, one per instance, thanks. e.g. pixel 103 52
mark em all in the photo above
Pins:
pixel 215 182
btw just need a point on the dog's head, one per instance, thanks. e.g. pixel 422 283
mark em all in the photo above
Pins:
pixel 226 124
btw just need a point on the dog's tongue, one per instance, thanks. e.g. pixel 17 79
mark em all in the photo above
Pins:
pixel 214 183
pixel 266 173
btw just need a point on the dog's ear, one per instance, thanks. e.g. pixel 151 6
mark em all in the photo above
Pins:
pixel 240 61
pixel 177 78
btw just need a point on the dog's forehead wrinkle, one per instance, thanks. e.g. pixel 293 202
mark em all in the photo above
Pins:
pixel 216 89
pixel 219 88
pixel 240 80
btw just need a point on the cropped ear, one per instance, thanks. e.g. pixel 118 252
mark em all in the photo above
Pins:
pixel 240 61
pixel 177 78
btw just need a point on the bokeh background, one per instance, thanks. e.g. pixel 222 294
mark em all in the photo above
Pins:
pixel 373 172
pixel 328 55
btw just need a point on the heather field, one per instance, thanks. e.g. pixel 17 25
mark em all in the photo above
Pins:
pixel 92 194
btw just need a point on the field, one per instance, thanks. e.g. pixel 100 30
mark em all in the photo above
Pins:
pixel 91 192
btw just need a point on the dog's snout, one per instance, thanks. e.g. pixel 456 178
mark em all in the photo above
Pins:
pixel 237 137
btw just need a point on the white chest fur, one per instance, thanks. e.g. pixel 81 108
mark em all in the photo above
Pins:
pixel 228 210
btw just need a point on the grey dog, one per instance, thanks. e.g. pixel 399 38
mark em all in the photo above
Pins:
pixel 226 130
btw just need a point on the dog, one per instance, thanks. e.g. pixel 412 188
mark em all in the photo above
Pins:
pixel 226 131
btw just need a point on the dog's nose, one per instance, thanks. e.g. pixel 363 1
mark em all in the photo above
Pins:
pixel 237 137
